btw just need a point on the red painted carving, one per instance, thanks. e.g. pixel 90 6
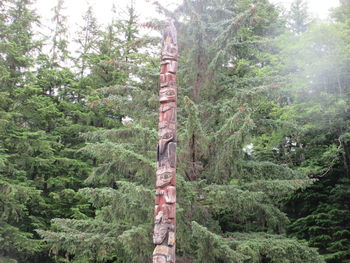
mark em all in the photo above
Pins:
pixel 167 79
pixel 166 195
pixel 167 113
pixel 168 66
pixel 165 208
pixel 165 176
pixel 167 94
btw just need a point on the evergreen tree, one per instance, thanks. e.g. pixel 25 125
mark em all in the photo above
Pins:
pixel 298 16
pixel 227 47
pixel 41 168
pixel 224 193
pixel 318 70
pixel 17 195
pixel 263 129
pixel 59 50
pixel 123 152
pixel 342 12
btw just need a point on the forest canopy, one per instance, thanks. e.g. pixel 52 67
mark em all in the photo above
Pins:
pixel 263 139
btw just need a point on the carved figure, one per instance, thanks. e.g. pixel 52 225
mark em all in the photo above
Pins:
pixel 170 195
pixel 167 113
pixel 167 94
pixel 169 50
pixel 166 136
pixel 161 250
pixel 166 152
pixel 169 211
pixel 169 33
pixel 166 195
pixel 167 79
pixel 165 176
pixel 168 157
pixel 161 229
pixel 166 125
pixel 168 66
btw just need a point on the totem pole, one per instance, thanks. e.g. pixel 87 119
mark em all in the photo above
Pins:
pixel 165 204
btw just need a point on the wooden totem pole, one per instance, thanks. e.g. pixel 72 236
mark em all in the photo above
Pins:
pixel 165 204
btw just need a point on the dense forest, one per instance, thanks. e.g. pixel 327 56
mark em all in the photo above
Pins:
pixel 263 170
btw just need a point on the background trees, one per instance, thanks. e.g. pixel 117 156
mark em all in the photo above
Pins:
pixel 320 110
pixel 263 156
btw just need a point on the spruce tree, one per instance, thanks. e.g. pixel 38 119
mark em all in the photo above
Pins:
pixel 120 185
pixel 298 16
pixel 319 112
pixel 228 54
pixel 17 195
pixel 228 199
pixel 40 126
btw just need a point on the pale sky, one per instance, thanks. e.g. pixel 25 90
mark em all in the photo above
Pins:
pixel 102 8
pixel 317 8
pixel 145 9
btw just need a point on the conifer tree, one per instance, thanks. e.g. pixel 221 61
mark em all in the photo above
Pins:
pixel 228 198
pixel 120 186
pixel 320 116
pixel 41 169
pixel 298 16
pixel 263 128
pixel 226 52
pixel 59 49
pixel 16 194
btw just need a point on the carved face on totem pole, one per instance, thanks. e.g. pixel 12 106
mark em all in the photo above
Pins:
pixel 160 232
pixel 167 114
pixel 166 136
pixel 168 157
pixel 169 211
pixel 160 229
pixel 169 51
pixel 166 195
pixel 167 94
pixel 167 79
pixel 165 176
pixel 167 146
pixel 168 66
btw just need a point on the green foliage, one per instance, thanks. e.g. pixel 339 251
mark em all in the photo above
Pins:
pixel 263 136
pixel 318 107
pixel 244 247
pixel 121 229
pixel 212 247
pixel 298 16
pixel 261 246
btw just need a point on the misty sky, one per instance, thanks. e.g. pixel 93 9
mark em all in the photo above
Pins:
pixel 75 8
